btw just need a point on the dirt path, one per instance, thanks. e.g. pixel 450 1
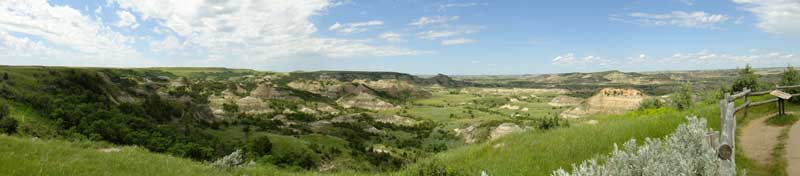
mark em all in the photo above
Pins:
pixel 793 150
pixel 758 139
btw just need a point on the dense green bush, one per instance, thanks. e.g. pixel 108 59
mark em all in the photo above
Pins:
pixel 682 99
pixel 259 146
pixel 790 77
pixel 8 125
pixel 747 79
pixel 651 103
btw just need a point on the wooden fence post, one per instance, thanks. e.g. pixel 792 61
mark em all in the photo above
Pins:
pixel 727 145
pixel 746 102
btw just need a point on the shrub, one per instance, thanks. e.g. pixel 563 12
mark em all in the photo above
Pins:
pixel 651 103
pixel 684 152
pixel 235 159
pixel 259 146
pixel 682 99
pixel 8 125
pixel 747 79
pixel 790 77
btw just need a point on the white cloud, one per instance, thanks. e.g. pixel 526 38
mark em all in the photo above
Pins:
pixel 696 19
pixel 444 7
pixel 570 60
pixel 424 21
pixel 459 41
pixel 687 2
pixel 169 44
pixel 775 16
pixel 253 30
pixel 391 37
pixel 354 27
pixel 753 57
pixel 433 35
pixel 126 19
pixel 642 58
pixel 66 29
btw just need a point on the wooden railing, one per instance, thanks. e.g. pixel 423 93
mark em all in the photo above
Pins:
pixel 726 144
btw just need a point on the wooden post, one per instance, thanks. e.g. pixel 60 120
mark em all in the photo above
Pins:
pixel 726 148
pixel 744 113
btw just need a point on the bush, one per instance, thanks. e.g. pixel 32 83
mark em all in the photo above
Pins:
pixel 233 160
pixel 684 152
pixel 4 111
pixel 682 99
pixel 747 79
pixel 259 146
pixel 791 77
pixel 8 125
pixel 651 103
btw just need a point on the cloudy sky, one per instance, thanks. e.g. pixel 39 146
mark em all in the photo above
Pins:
pixel 413 36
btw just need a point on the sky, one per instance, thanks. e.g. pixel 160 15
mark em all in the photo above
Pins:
pixel 465 37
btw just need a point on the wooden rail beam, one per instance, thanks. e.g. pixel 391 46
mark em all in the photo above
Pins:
pixel 788 87
pixel 758 103
pixel 740 94
pixel 759 93
pixel 743 107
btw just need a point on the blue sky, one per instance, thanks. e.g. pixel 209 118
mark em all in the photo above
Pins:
pixel 413 36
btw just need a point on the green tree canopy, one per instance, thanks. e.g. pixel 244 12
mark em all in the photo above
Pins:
pixel 747 79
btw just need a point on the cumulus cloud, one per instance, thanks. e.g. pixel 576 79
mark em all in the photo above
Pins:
pixel 254 30
pixel 696 19
pixel 391 37
pixel 425 21
pixel 775 16
pixel 126 19
pixel 458 41
pixel 65 28
pixel 354 27
pixel 570 59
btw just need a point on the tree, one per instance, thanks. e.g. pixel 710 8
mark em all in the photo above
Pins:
pixel 259 146
pixel 790 77
pixel 5 76
pixel 232 108
pixel 683 97
pixel 7 124
pixel 4 111
pixel 747 79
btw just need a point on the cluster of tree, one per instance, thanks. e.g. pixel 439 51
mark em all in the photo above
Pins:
pixel 79 103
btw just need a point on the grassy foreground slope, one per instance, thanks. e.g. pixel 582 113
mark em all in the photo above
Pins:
pixel 28 156
pixel 530 153
pixel 539 153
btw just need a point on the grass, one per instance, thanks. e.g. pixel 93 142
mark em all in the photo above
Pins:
pixel 529 153
pixel 539 153
pixel 782 120
pixel 28 156
pixel 50 157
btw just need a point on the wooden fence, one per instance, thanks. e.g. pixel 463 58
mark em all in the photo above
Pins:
pixel 725 144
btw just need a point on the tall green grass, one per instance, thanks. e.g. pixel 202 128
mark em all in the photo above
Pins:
pixel 539 153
